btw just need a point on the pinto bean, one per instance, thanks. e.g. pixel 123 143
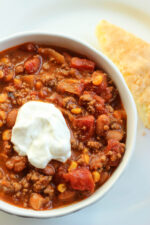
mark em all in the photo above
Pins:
pixel 11 118
pixel 49 170
pixel 67 196
pixel 36 201
pixel 114 134
pixel 33 64
pixel 103 120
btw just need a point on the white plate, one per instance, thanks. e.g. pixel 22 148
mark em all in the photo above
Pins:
pixel 128 203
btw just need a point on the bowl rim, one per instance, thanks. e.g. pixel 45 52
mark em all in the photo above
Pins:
pixel 12 209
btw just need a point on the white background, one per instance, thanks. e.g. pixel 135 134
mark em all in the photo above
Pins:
pixel 128 203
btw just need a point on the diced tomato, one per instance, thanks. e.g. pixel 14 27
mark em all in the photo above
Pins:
pixel 72 86
pixel 80 179
pixel 33 64
pixel 116 148
pixel 82 64
pixel 56 98
pixel 113 145
pixel 107 94
pixel 28 79
pixel 85 125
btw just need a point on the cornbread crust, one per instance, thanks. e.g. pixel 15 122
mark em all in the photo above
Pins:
pixel 132 56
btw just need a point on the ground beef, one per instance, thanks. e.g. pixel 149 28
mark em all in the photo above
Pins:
pixel 16 163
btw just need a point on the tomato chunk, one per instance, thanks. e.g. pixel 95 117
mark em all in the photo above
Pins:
pixel 28 79
pixel 85 125
pixel 72 86
pixel 33 64
pixel 80 179
pixel 82 64
pixel 57 99
pixel 113 145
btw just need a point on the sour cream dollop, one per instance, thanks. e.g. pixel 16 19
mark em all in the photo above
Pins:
pixel 41 134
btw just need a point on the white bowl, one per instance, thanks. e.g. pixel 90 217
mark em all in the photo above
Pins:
pixel 127 99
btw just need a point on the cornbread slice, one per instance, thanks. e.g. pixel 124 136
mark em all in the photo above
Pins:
pixel 132 56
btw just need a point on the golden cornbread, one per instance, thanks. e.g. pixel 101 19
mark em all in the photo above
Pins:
pixel 132 56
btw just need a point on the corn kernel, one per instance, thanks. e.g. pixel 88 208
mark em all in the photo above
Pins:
pixel 6 136
pixel 4 60
pixel 85 150
pixel 38 85
pixel 97 80
pixel 73 166
pixel 61 188
pixel 96 176
pixel 3 97
pixel 86 158
pixel 17 82
pixel 76 110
